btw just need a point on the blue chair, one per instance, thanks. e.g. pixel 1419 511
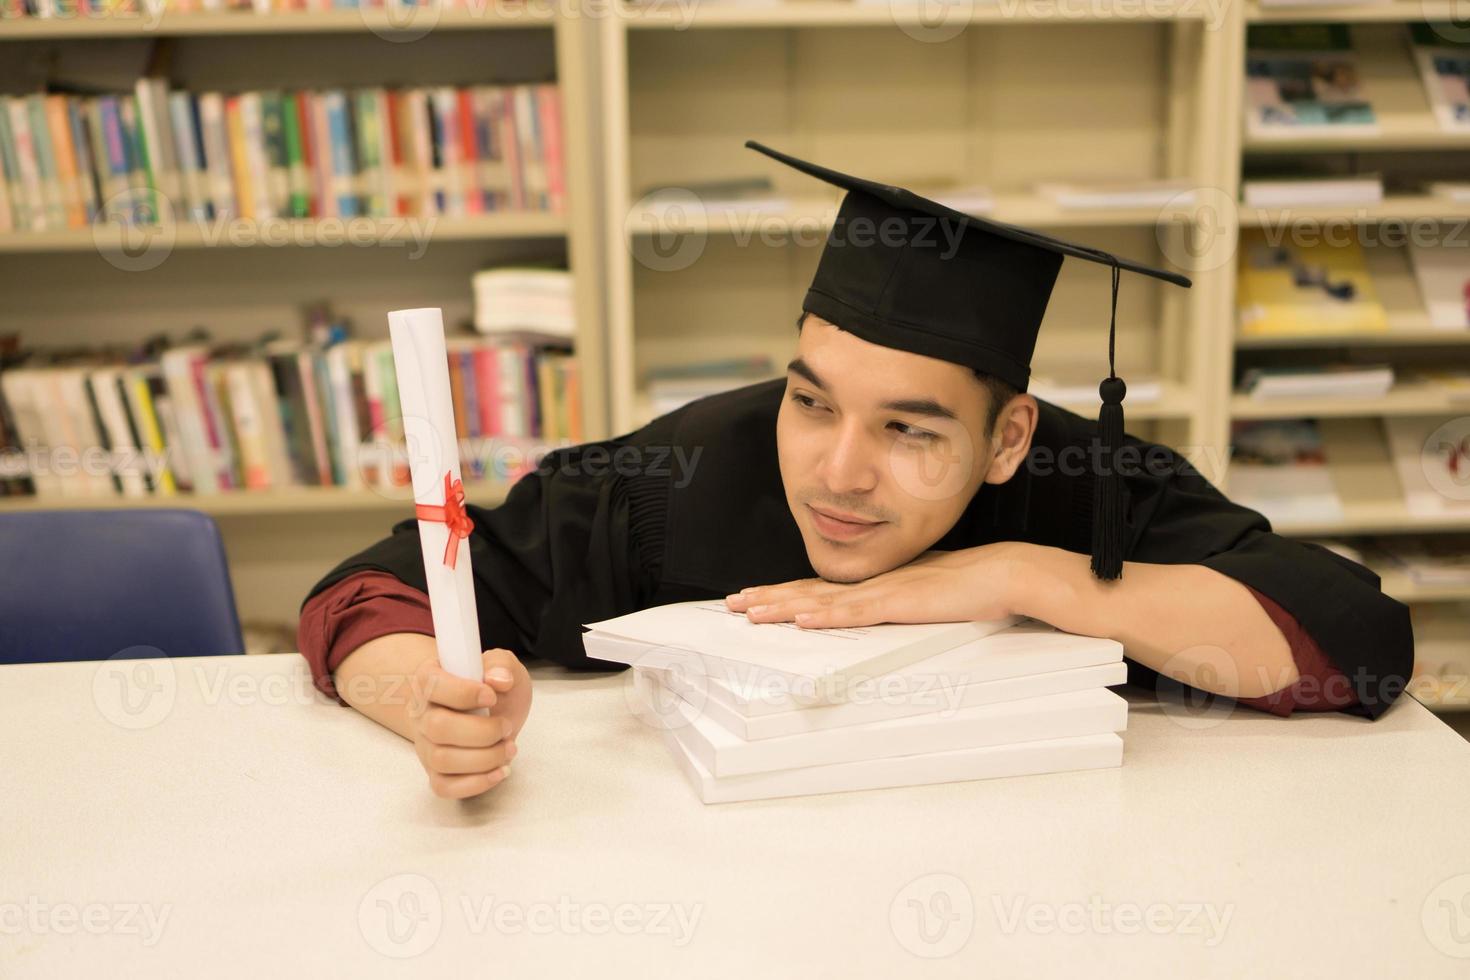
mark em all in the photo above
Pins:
pixel 94 584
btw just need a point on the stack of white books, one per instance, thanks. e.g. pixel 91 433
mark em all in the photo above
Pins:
pixel 522 303
pixel 755 711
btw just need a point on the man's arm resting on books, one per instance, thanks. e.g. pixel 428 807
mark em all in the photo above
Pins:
pixel 1187 622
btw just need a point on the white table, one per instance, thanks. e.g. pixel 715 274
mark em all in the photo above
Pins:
pixel 218 818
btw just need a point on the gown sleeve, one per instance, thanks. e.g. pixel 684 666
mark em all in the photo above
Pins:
pixel 577 540
pixel 1176 516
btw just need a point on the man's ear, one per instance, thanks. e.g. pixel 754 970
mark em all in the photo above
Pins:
pixel 1010 439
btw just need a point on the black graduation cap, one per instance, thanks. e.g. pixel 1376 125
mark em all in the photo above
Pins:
pixel 906 272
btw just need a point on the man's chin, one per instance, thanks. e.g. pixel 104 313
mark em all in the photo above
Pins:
pixel 843 569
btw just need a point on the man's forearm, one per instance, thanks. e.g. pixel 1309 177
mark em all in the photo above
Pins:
pixel 377 677
pixel 1186 621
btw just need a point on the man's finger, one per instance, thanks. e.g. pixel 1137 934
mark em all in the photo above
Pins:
pixel 767 595
pixel 500 668
pixel 863 612
pixel 443 688
pixel 443 726
pixel 463 787
pixel 451 760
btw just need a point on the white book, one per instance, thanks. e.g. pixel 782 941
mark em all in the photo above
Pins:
pixel 1073 385
pixel 1338 382
pixel 1444 284
pixel 24 393
pixel 973 199
pixel 879 705
pixel 217 155
pixel 1119 194
pixel 94 469
pixel 985 762
pixel 1028 649
pixel 198 456
pixel 1428 456
pixel 819 662
pixel 1312 192
pixel 1455 190
pixel 724 753
pixel 114 415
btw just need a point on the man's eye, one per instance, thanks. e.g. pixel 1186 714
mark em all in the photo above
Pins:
pixel 909 432
pixel 804 401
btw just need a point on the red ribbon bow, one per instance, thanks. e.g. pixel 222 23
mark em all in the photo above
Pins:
pixel 451 514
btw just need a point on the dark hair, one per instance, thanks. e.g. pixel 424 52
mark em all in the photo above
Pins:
pixel 999 391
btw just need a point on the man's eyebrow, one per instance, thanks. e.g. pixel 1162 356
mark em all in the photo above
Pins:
pixel 919 406
pixel 798 366
pixel 915 406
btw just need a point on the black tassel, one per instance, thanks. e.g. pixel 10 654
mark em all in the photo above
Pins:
pixel 1107 494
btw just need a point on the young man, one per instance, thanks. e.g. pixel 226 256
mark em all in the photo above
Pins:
pixel 898 473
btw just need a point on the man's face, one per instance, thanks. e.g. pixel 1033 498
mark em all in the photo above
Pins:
pixel 881 450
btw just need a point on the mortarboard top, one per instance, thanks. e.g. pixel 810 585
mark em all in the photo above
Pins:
pixel 973 293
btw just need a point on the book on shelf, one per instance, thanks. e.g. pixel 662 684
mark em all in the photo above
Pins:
pixel 965 198
pixel 1279 468
pixel 516 302
pixel 209 418
pixel 1318 381
pixel 71 9
pixel 1286 192
pixel 1078 384
pixel 1024 699
pixel 1443 275
pixel 736 194
pixel 69 161
pixel 1322 3
pixel 1431 560
pixel 1101 194
pixel 1443 59
pixel 1294 288
pixel 1304 79
pixel 672 386
pixel 1451 190
pixel 1432 460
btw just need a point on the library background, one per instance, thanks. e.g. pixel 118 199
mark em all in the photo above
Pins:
pixel 208 206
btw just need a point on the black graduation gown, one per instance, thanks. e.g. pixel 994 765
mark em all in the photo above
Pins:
pixel 691 507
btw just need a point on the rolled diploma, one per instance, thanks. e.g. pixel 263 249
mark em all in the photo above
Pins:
pixel 422 366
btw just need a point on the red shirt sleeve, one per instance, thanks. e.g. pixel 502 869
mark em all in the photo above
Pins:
pixel 345 615
pixel 1320 687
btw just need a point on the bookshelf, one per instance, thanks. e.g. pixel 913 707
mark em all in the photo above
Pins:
pixel 843 82
pixel 235 22
pixel 237 280
pixel 1409 143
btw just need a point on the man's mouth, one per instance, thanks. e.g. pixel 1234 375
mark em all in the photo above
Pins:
pixel 840 526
